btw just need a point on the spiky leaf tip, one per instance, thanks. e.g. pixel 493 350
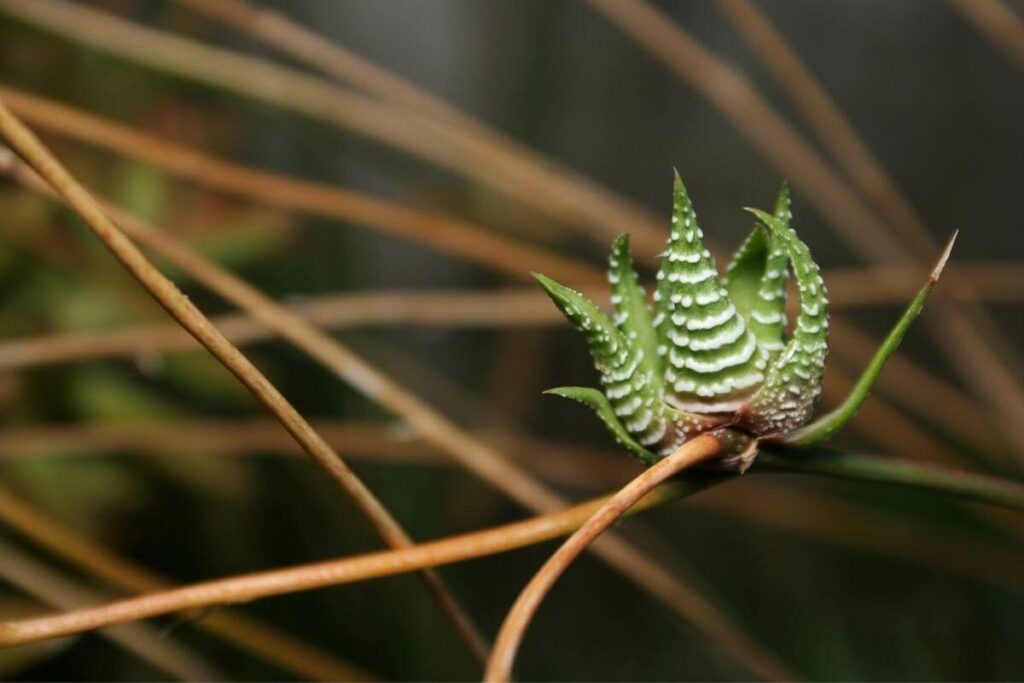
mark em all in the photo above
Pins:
pixel 629 388
pixel 786 399
pixel 825 426
pixel 711 360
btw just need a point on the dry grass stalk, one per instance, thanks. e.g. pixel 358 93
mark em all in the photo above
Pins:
pixel 475 455
pixel 936 402
pixel 457 548
pixel 192 319
pixel 555 192
pixel 981 367
pixel 249 634
pixel 545 183
pixel 831 126
pixel 888 278
pixel 309 47
pixel 760 503
pixel 828 121
pixel 438 308
pixel 309 576
pixel 446 234
pixel 989 349
pixel 998 23
pixel 145 642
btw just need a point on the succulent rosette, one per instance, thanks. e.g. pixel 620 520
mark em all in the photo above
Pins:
pixel 711 353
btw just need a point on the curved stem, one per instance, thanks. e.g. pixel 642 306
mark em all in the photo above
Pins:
pixel 253 586
pixel 499 665
pixel 52 587
pixel 495 540
pixel 283 650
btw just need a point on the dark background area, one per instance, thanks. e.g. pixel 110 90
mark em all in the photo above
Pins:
pixel 938 104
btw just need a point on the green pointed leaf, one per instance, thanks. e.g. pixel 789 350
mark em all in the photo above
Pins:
pixel 786 399
pixel 711 360
pixel 628 386
pixel 599 403
pixel 827 425
pixel 633 314
pixel 608 345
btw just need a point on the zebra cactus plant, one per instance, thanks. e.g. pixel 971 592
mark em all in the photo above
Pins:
pixel 712 354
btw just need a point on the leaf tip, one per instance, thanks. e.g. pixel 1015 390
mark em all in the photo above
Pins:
pixel 941 263
pixel 543 280
pixel 762 216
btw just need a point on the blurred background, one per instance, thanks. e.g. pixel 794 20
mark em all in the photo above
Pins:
pixel 161 457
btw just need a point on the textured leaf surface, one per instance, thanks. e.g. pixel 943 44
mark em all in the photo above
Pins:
pixel 786 399
pixel 710 359
pixel 823 428
pixel 633 314
pixel 629 388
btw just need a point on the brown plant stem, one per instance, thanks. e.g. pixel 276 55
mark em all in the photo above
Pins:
pixel 25 143
pixel 933 400
pixel 305 577
pixel 814 461
pixel 514 307
pixel 309 47
pixel 682 599
pixel 446 234
pixel 868 175
pixel 798 511
pixel 997 23
pixel 251 635
pixel 499 665
pixel 293 90
pixel 880 283
pixel 145 642
pixel 827 120
pixel 554 192
pixel 936 401
pixel 477 456
pixel 846 286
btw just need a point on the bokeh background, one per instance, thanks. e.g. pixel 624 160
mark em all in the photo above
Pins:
pixel 839 580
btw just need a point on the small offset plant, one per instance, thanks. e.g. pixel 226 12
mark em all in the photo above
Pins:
pixel 712 353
